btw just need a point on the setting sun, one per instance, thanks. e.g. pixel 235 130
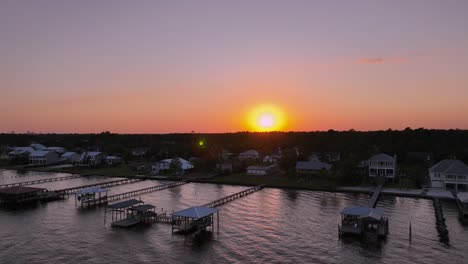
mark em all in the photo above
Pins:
pixel 266 118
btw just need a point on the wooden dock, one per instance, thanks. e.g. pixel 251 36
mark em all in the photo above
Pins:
pixel 375 196
pixel 102 185
pixel 233 197
pixel 17 184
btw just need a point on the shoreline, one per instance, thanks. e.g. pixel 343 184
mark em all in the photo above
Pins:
pixel 269 182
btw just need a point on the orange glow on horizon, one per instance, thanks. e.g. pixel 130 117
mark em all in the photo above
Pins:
pixel 265 118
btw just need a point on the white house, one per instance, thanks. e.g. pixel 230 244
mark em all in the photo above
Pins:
pixel 260 170
pixel 70 156
pixel 43 157
pixel 274 158
pixel 249 154
pixel 165 164
pixel 449 174
pixel 94 158
pixel 382 165
pixel 113 160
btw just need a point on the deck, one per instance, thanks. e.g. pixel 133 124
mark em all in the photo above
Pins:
pixel 234 196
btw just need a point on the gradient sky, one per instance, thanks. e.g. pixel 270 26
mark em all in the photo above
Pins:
pixel 177 66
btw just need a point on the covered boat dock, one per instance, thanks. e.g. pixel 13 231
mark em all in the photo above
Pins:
pixel 91 197
pixel 130 212
pixel 193 219
pixel 20 194
pixel 363 221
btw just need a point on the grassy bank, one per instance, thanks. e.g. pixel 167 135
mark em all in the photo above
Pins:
pixel 118 171
pixel 277 181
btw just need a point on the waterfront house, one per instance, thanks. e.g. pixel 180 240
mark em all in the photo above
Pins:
pixel 249 155
pixel 165 165
pixel 113 160
pixel 311 168
pixel 43 157
pixel 261 170
pixel 71 157
pixel 273 158
pixel 93 158
pixel 382 165
pixel 449 174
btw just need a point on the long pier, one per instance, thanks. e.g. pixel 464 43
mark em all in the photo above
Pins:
pixel 102 184
pixel 234 196
pixel 124 195
pixel 375 196
pixel 17 184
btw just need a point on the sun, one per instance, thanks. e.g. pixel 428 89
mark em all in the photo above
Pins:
pixel 264 118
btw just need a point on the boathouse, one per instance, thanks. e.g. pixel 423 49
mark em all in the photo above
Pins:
pixel 130 212
pixel 363 221
pixel 21 194
pixel 91 197
pixel 193 219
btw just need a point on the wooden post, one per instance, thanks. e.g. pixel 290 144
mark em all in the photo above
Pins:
pixel 410 232
pixel 217 216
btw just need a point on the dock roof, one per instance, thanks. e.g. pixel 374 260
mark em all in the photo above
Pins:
pixel 363 212
pixel 91 190
pixel 124 204
pixel 463 197
pixel 196 212
pixel 143 208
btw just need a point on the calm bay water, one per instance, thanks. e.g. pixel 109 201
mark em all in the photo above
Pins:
pixel 270 226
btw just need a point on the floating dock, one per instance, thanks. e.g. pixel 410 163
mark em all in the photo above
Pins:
pixel 17 184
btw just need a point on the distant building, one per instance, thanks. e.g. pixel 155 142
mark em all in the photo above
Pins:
pixel 261 170
pixel 93 158
pixel 329 157
pixel 249 154
pixel 70 156
pixel 274 158
pixel 139 152
pixel 449 174
pixel 113 160
pixel 43 157
pixel 165 165
pixel 224 167
pixel 382 165
pixel 311 168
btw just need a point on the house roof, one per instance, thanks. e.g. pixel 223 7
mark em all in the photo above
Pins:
pixel 39 153
pixel 363 212
pixel 20 150
pixel 312 165
pixel 251 152
pixel 92 153
pixel 38 146
pixel 382 157
pixel 20 190
pixel 196 212
pixel 450 166
pixel 113 157
pixel 68 154
pixel 260 167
